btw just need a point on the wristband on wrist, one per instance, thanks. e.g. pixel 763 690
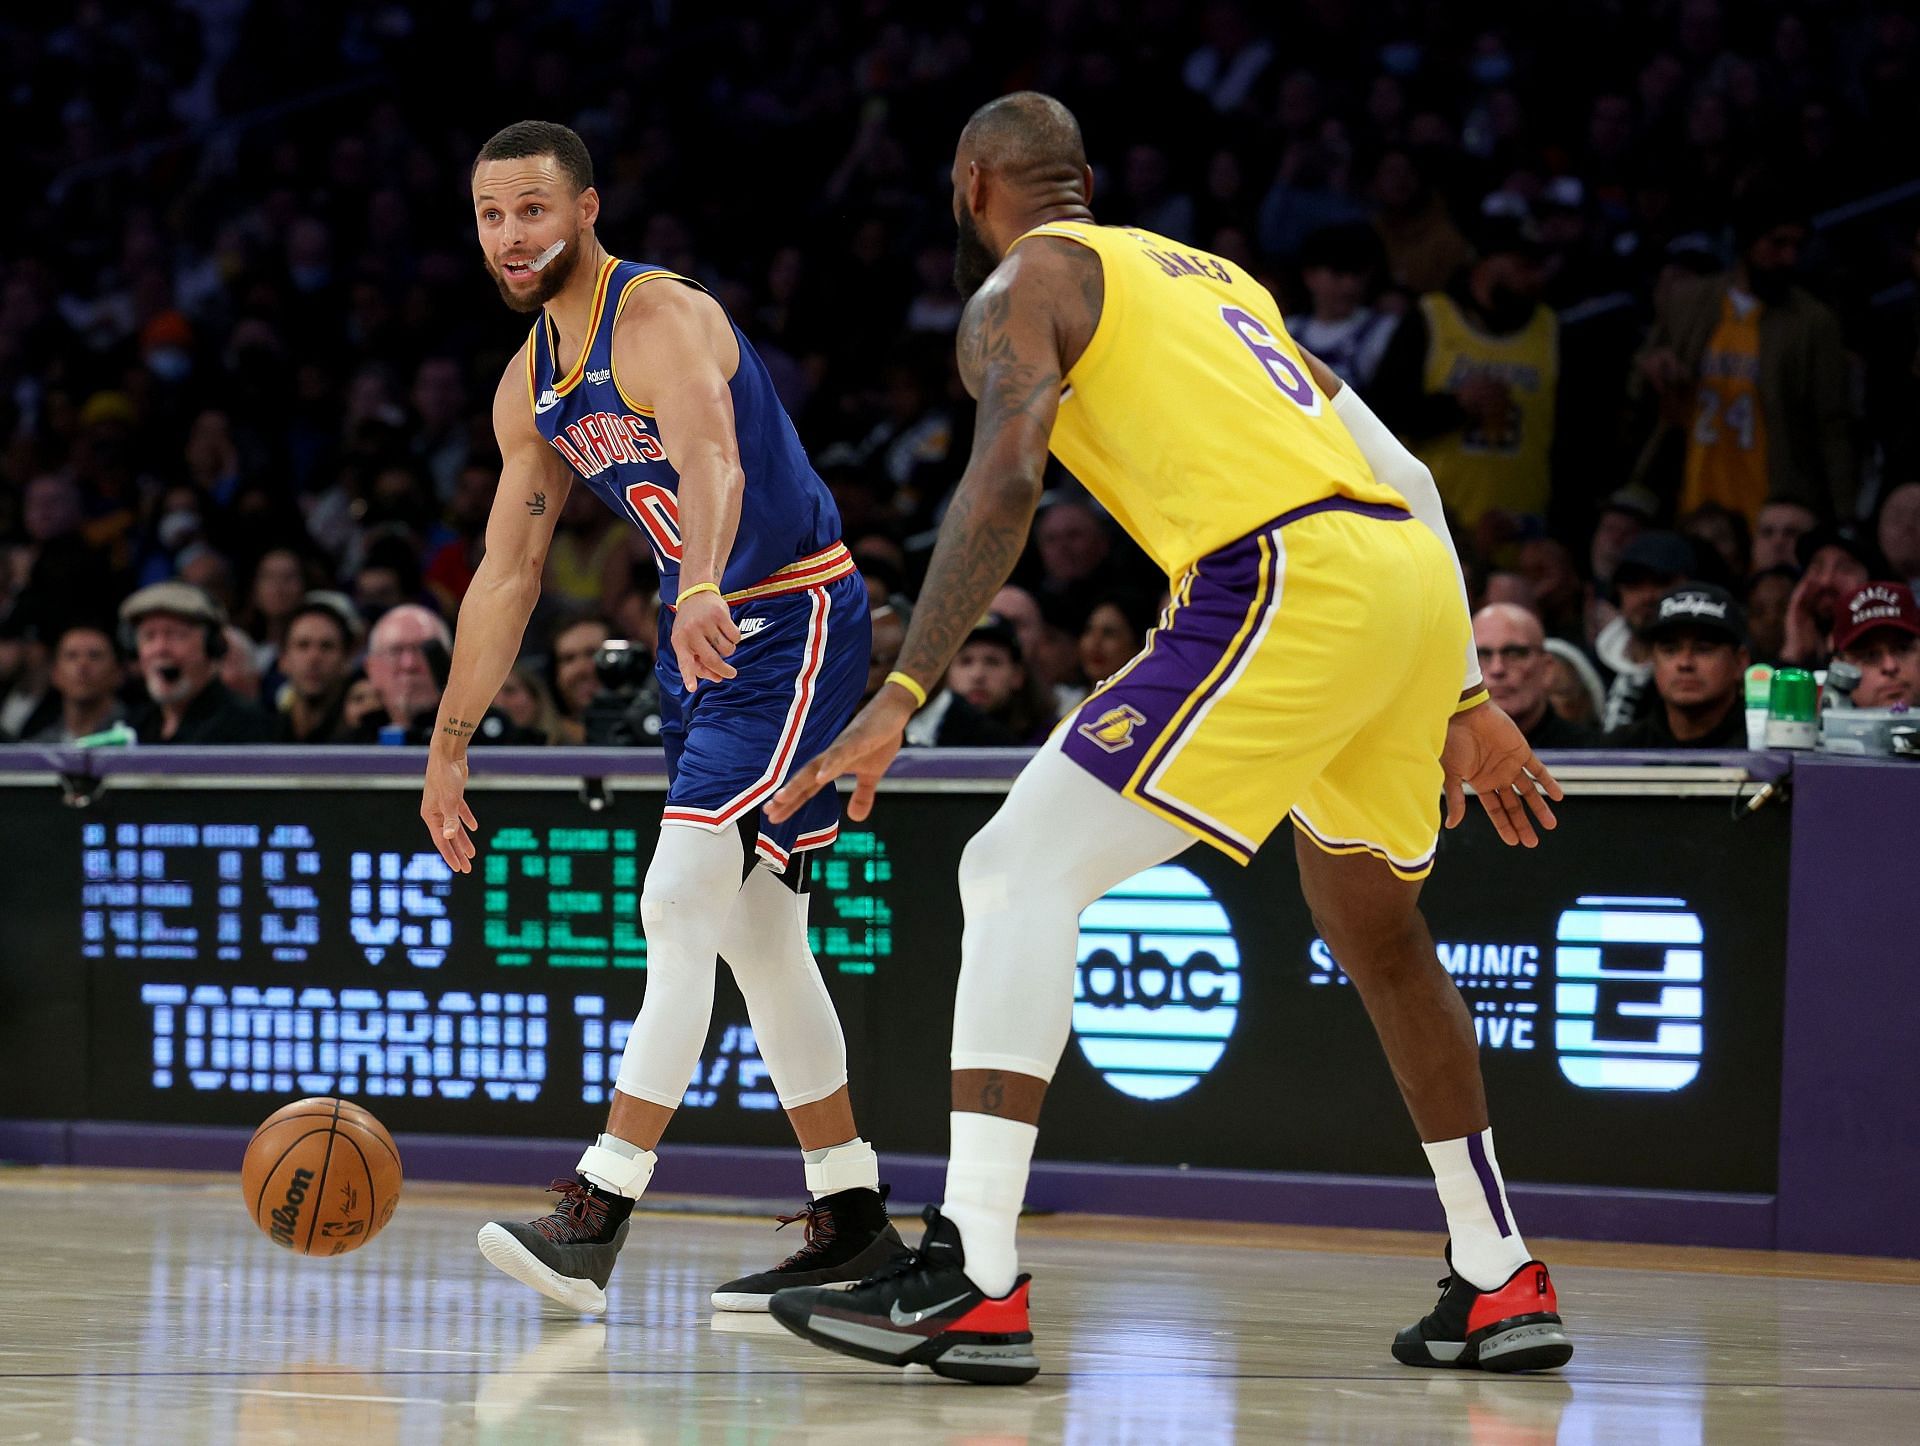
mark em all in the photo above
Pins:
pixel 696 590
pixel 919 693
pixel 1472 700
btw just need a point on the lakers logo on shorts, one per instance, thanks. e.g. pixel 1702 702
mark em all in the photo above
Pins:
pixel 1113 729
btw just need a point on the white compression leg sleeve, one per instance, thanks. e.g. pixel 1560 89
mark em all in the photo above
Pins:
pixel 793 1018
pixel 1394 465
pixel 691 889
pixel 1060 841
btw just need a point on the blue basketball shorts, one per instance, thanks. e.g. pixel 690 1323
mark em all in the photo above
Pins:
pixel 801 668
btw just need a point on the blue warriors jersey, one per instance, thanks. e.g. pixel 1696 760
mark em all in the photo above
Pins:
pixel 789 533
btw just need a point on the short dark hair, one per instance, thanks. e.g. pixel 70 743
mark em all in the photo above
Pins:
pixel 541 138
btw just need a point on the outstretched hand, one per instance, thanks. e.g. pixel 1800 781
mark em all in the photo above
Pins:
pixel 1487 751
pixel 865 748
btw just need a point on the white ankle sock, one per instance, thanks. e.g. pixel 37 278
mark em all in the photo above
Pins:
pixel 1487 1247
pixel 852 1166
pixel 986 1183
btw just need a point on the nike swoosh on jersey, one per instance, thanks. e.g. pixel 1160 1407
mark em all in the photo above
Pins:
pixel 548 401
pixel 914 1317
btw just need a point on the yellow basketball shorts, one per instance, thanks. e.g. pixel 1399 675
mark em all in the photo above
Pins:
pixel 1308 669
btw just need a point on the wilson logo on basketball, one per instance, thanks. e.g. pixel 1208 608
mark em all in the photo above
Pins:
pixel 288 1215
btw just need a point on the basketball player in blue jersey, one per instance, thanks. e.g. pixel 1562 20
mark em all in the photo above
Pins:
pixel 635 384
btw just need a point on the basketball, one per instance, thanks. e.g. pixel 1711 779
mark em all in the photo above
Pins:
pixel 321 1176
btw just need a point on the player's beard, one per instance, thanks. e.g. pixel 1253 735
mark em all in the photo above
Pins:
pixel 546 282
pixel 973 259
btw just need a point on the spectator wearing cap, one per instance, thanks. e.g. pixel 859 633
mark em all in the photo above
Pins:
pixel 402 671
pixel 1471 378
pixel 1749 377
pixel 87 677
pixel 986 701
pixel 1517 668
pixel 1879 633
pixel 1339 266
pixel 1833 567
pixel 1653 564
pixel 1777 533
pixel 179 637
pixel 322 635
pixel 1699 642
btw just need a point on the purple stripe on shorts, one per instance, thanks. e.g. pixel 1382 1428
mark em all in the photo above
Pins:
pixel 1477 1152
pixel 1121 725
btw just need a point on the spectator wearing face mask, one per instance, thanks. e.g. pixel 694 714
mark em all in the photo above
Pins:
pixel 1749 377
pixel 1879 633
pixel 179 639
pixel 1698 639
pixel 1514 661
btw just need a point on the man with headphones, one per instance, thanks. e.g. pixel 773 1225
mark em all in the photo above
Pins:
pixel 177 635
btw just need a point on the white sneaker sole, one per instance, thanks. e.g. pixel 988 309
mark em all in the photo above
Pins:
pixel 509 1256
pixel 740 1300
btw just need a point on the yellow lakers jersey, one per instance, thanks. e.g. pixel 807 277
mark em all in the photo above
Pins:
pixel 1477 469
pixel 1191 416
pixel 1727 446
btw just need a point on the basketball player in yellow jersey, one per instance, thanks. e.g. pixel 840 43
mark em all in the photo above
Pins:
pixel 1314 662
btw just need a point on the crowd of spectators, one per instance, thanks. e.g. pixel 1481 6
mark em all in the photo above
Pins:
pixel 1636 278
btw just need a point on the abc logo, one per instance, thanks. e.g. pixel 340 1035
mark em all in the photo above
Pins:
pixel 1158 986
pixel 1628 993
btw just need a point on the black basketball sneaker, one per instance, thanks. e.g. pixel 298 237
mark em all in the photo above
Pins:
pixel 566 1256
pixel 847 1237
pixel 1514 1328
pixel 921 1310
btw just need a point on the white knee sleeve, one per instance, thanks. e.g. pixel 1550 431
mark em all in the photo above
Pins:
pixel 793 1018
pixel 1060 841
pixel 691 888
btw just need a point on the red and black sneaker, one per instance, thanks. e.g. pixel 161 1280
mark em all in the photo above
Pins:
pixel 921 1309
pixel 1514 1328
pixel 848 1237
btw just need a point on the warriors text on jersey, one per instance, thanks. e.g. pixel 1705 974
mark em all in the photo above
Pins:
pixel 789 533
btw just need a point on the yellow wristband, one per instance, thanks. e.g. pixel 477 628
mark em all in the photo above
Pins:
pixel 919 693
pixel 1472 700
pixel 696 590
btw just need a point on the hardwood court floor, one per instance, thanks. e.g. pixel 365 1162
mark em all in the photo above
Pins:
pixel 147 1308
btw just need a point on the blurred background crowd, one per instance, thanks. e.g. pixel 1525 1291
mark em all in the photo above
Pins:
pixel 1637 278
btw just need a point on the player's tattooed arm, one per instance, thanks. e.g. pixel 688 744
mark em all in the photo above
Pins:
pixel 537 505
pixel 1018 338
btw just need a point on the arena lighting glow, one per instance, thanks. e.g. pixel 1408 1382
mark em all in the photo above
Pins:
pixel 1157 989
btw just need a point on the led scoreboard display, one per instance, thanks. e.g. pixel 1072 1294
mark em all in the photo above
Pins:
pixel 202 955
